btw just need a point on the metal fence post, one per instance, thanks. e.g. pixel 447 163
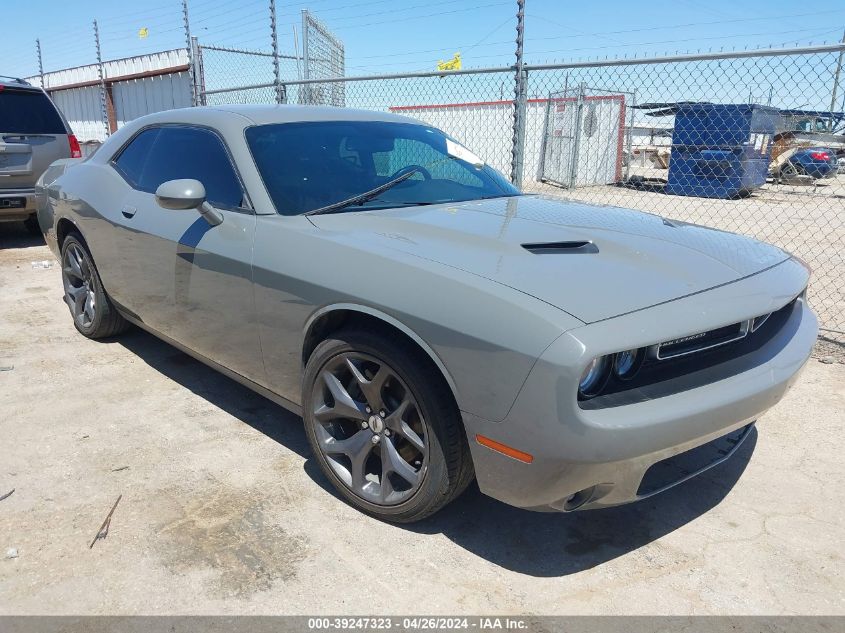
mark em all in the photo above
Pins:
pixel 102 79
pixel 188 49
pixel 836 76
pixel 630 135
pixel 576 136
pixel 198 76
pixel 40 65
pixel 519 92
pixel 544 141
pixel 305 91
pixel 296 53
pixel 274 35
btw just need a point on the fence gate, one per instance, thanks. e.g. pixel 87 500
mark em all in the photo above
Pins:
pixel 323 58
pixel 584 138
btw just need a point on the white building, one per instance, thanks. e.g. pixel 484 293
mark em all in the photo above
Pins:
pixel 550 131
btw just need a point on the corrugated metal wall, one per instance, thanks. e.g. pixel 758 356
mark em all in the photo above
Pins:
pixel 81 107
pixel 138 97
pixel 131 98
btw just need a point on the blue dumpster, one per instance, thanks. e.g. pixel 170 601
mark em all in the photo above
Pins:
pixel 720 150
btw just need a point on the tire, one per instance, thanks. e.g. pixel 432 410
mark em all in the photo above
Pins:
pixel 94 315
pixel 426 416
pixel 31 224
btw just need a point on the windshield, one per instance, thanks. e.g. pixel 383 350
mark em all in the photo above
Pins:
pixel 312 165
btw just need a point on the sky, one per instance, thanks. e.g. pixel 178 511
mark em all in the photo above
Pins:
pixel 392 36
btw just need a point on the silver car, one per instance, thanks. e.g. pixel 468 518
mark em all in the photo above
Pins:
pixel 33 134
pixel 430 323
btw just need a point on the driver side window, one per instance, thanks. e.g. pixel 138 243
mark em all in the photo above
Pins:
pixel 167 153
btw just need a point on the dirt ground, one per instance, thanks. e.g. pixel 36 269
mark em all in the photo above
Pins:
pixel 224 512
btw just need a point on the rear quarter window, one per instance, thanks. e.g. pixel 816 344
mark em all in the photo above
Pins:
pixel 28 112
pixel 130 162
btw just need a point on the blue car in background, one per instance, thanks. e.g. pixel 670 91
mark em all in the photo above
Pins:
pixel 816 162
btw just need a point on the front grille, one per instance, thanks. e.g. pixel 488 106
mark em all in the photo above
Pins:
pixel 702 341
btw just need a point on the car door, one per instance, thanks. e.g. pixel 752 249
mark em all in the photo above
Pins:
pixel 186 279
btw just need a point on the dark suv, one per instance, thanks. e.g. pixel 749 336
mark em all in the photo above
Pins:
pixel 33 133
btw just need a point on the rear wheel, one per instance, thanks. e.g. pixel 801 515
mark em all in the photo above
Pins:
pixel 93 313
pixel 384 427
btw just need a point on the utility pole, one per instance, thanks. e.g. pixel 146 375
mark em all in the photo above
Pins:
pixel 836 76
pixel 189 50
pixel 277 80
pixel 40 64
pixel 519 91
pixel 102 78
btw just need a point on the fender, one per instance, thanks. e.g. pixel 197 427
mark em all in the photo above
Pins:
pixel 378 314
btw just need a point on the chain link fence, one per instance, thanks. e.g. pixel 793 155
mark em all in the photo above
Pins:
pixel 323 57
pixel 744 142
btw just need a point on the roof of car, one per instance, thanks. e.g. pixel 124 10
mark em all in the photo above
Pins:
pixel 264 114
pixel 232 119
pixel 7 80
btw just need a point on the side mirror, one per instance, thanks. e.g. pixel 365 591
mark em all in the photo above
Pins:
pixel 180 194
pixel 186 193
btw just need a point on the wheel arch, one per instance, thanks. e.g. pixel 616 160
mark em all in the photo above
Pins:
pixel 332 318
pixel 65 227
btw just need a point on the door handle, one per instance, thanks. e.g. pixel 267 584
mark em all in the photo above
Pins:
pixel 128 211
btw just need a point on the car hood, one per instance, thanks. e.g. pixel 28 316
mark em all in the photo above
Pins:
pixel 631 260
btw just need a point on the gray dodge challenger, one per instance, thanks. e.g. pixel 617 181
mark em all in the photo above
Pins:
pixel 430 323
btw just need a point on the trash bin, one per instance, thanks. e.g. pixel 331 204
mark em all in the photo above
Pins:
pixel 720 150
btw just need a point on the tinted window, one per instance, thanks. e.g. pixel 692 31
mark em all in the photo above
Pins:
pixel 28 112
pixel 309 165
pixel 407 151
pixel 132 159
pixel 181 152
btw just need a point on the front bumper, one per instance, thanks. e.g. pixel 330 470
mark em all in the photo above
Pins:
pixel 16 204
pixel 590 458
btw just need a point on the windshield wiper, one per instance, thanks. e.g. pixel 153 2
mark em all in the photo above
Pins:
pixel 361 198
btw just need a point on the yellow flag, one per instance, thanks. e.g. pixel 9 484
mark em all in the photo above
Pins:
pixel 452 64
pixel 143 32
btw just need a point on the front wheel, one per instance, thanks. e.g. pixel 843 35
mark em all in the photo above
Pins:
pixel 384 427
pixel 93 313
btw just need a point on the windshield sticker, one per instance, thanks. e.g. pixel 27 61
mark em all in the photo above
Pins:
pixel 461 152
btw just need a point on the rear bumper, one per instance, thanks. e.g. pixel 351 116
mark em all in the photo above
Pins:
pixel 16 204
pixel 591 458
pixel 820 170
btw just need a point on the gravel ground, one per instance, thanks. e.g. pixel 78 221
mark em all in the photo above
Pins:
pixel 224 512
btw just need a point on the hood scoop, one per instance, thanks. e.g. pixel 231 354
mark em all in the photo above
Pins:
pixel 562 248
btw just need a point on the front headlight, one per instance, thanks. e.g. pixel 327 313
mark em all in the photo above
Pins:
pixel 594 377
pixel 627 363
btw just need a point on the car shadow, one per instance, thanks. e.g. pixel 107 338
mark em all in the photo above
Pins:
pixel 556 544
pixel 265 416
pixel 15 235
pixel 531 543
